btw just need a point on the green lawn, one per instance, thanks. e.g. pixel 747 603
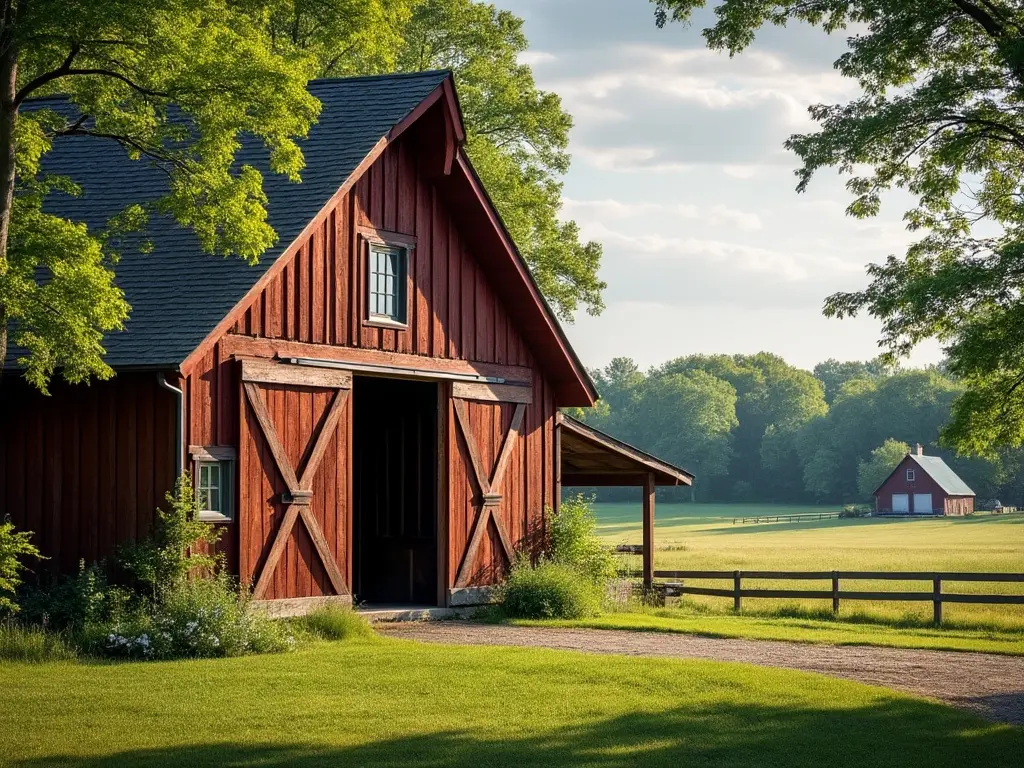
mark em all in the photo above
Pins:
pixel 397 703
pixel 703 537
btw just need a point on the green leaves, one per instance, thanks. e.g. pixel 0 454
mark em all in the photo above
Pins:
pixel 176 83
pixel 517 140
pixel 941 117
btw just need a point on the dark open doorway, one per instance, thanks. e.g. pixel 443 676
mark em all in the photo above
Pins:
pixel 394 450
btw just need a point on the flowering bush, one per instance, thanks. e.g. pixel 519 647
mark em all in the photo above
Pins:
pixel 200 618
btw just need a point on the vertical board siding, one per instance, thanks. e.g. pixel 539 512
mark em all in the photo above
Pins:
pixel 320 296
pixel 453 313
pixel 297 414
pixel 86 467
pixel 526 489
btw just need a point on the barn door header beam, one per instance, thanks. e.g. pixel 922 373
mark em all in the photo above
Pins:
pixel 397 370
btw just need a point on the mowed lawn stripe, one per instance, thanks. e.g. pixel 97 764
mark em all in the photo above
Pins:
pixel 392 703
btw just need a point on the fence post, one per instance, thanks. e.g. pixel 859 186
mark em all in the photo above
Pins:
pixel 835 591
pixel 937 600
pixel 736 598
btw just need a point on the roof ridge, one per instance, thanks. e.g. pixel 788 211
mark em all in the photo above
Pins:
pixel 382 76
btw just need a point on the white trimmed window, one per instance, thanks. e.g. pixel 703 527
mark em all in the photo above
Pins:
pixel 911 475
pixel 386 288
pixel 214 480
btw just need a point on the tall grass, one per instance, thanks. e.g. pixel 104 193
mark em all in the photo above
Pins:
pixel 32 644
pixel 335 623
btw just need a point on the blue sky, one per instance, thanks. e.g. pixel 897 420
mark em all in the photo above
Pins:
pixel 679 171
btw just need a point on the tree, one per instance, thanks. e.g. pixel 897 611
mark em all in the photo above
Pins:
pixel 939 115
pixel 687 419
pixel 833 374
pixel 175 83
pixel 873 471
pixel 516 137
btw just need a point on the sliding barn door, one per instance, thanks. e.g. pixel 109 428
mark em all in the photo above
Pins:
pixel 488 518
pixel 294 480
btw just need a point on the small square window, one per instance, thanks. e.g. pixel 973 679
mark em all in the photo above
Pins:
pixel 386 280
pixel 911 475
pixel 213 490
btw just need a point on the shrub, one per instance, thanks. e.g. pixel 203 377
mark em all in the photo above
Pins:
pixel 856 510
pixel 177 547
pixel 549 590
pixel 336 623
pixel 196 618
pixel 68 603
pixel 14 545
pixel 19 642
pixel 573 540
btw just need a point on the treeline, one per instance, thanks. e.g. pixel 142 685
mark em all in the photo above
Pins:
pixel 755 429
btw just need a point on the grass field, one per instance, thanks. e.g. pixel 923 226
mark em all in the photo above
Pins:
pixel 397 703
pixel 703 537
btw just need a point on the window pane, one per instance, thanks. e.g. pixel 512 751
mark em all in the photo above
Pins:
pixel 214 500
pixel 204 475
pixel 215 475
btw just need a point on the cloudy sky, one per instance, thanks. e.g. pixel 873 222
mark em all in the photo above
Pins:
pixel 679 171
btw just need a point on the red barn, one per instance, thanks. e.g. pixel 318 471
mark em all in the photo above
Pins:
pixel 371 410
pixel 923 485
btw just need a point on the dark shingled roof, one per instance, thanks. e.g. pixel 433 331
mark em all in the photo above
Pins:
pixel 178 294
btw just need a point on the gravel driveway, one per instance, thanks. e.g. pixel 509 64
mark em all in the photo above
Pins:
pixel 989 685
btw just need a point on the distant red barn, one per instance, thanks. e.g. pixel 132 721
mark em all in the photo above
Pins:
pixel 923 485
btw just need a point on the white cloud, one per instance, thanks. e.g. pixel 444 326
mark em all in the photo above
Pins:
pixel 536 58
pixel 740 171
pixel 717 215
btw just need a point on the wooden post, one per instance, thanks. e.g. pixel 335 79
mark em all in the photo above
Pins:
pixel 937 600
pixel 835 592
pixel 736 586
pixel 649 530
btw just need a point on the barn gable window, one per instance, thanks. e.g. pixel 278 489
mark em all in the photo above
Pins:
pixel 911 475
pixel 386 290
pixel 214 482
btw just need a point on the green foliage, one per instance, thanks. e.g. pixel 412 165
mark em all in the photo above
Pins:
pixel 939 116
pixel 137 73
pixel 336 623
pixel 873 472
pixel 19 642
pixel 158 598
pixel 14 546
pixel 195 618
pixel 549 590
pixel 517 137
pixel 178 546
pixel 573 541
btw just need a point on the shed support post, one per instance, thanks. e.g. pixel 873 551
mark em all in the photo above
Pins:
pixel 649 530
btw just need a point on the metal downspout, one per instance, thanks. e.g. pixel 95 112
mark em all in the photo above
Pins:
pixel 179 453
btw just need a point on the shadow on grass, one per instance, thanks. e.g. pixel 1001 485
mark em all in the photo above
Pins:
pixel 887 733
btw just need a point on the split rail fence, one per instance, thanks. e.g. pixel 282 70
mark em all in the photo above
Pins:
pixel 936 596
pixel 795 518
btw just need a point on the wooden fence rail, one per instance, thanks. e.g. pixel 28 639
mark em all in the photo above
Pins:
pixel 936 596
pixel 795 518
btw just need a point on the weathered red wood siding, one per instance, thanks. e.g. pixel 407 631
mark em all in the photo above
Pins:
pixel 453 312
pixel 86 467
pixel 959 505
pixel 296 413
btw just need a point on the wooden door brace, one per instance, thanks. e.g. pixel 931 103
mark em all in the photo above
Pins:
pixel 490 497
pixel 300 489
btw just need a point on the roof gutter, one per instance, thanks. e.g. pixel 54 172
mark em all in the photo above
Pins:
pixel 179 422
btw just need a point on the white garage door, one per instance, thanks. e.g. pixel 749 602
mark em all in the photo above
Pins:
pixel 901 503
pixel 922 503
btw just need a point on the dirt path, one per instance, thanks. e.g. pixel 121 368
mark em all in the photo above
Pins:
pixel 989 685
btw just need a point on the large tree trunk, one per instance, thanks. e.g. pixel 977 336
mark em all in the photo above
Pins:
pixel 8 116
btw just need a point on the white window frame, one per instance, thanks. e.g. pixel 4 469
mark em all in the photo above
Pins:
pixel 400 319
pixel 222 457
pixel 911 476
